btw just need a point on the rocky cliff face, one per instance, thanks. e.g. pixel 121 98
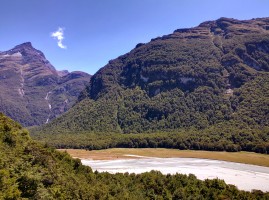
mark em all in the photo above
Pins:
pixel 32 91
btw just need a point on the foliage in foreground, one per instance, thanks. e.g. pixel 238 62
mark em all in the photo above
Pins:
pixel 29 170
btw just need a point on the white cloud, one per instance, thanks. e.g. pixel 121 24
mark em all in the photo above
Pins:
pixel 59 35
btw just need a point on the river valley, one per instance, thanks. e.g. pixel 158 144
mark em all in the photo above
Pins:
pixel 245 170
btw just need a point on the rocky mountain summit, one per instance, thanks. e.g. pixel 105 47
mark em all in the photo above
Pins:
pixel 32 91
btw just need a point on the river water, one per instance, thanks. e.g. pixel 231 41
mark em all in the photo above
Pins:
pixel 244 176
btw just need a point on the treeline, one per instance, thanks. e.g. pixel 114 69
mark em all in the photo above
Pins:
pixel 222 137
pixel 29 170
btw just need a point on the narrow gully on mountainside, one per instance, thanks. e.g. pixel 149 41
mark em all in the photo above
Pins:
pixel 47 99
pixel 21 90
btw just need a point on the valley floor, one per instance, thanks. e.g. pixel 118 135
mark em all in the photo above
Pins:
pixel 131 153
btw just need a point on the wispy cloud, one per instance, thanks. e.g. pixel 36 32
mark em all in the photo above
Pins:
pixel 59 36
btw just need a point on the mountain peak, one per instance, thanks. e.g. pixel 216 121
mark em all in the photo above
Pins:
pixel 62 73
pixel 224 27
pixel 23 46
pixel 26 49
pixel 25 53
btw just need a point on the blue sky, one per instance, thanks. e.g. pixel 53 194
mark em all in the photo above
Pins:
pixel 92 32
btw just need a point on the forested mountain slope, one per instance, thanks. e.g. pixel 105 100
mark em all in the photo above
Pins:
pixel 217 72
pixel 32 91
pixel 29 170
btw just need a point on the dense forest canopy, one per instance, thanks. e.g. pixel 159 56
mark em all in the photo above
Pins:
pixel 29 170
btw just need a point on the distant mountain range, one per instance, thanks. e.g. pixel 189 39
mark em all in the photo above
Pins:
pixel 197 77
pixel 33 92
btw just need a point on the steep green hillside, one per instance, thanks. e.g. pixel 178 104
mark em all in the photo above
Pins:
pixel 211 77
pixel 32 91
pixel 29 170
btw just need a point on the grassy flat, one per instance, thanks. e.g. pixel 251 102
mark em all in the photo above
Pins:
pixel 129 153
